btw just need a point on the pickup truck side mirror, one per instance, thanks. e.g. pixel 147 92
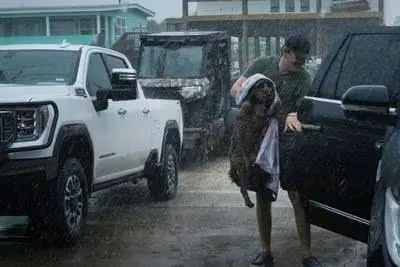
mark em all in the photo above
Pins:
pixel 102 97
pixel 368 102
pixel 124 87
pixel 124 79
pixel 101 101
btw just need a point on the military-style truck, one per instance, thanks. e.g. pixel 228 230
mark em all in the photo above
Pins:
pixel 194 68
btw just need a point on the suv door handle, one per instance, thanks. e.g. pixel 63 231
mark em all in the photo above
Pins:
pixel 146 110
pixel 122 111
pixel 311 127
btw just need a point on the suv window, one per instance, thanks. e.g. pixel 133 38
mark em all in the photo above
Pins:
pixel 97 76
pixel 370 59
pixel 328 85
pixel 114 62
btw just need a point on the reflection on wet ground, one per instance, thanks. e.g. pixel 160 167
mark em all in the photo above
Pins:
pixel 206 225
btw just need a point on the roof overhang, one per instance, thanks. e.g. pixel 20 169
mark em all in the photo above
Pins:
pixel 78 9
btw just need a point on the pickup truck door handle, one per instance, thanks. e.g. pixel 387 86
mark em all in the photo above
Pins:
pixel 311 127
pixel 146 110
pixel 122 111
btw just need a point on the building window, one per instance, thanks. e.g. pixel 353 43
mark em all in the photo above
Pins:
pixel 120 27
pixel 23 27
pixel 290 6
pixel 275 6
pixel 305 6
pixel 87 25
pixel 63 26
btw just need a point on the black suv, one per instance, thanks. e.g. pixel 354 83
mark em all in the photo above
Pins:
pixel 349 150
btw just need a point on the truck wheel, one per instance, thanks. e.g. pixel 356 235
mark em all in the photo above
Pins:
pixel 61 211
pixel 163 185
pixel 71 201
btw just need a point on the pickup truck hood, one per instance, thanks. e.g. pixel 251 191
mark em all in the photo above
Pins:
pixel 26 93
pixel 188 88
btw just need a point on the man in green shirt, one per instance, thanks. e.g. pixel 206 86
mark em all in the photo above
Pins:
pixel 292 83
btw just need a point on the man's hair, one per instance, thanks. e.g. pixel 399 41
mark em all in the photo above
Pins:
pixel 300 46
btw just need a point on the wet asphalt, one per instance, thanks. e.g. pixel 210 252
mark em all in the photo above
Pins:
pixel 206 225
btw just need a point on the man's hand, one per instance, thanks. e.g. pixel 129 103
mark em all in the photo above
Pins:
pixel 292 123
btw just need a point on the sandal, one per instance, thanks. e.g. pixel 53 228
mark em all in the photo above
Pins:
pixel 264 258
pixel 311 262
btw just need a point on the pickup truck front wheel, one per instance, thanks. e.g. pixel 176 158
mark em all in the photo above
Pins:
pixel 163 184
pixel 66 204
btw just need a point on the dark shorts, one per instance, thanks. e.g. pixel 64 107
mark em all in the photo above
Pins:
pixel 287 145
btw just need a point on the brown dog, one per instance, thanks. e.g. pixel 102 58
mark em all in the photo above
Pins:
pixel 250 127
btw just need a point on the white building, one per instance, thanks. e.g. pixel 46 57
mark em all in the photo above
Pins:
pixel 285 6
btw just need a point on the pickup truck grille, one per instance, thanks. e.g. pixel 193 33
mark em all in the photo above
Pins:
pixel 7 127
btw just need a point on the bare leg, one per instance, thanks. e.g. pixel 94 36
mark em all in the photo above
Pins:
pixel 264 227
pixel 264 222
pixel 302 224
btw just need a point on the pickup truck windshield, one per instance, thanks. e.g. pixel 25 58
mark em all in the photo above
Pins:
pixel 35 67
pixel 162 62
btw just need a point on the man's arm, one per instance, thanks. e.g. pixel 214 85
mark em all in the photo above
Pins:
pixel 301 87
pixel 256 67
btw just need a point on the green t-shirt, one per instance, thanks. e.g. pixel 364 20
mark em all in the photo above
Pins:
pixel 291 87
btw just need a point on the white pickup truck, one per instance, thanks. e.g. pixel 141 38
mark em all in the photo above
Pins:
pixel 74 120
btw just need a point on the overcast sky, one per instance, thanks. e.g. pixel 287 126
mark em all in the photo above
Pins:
pixel 163 8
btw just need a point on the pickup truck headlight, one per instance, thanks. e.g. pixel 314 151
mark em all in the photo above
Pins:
pixel 31 123
pixel 392 229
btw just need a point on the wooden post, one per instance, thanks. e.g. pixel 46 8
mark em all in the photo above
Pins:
pixel 319 6
pixel 245 38
pixel 257 46
pixel 47 26
pixel 245 7
pixel 381 6
pixel 268 46
pixel 240 54
pixel 185 14
pixel 185 8
pixel 245 44
pixel 278 45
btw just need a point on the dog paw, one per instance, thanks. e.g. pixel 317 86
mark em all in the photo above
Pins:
pixel 250 204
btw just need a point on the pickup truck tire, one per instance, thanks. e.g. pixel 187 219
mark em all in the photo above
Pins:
pixel 71 201
pixel 62 212
pixel 377 251
pixel 163 185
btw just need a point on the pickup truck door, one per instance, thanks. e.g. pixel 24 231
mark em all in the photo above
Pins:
pixel 108 125
pixel 336 155
pixel 139 128
pixel 136 116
